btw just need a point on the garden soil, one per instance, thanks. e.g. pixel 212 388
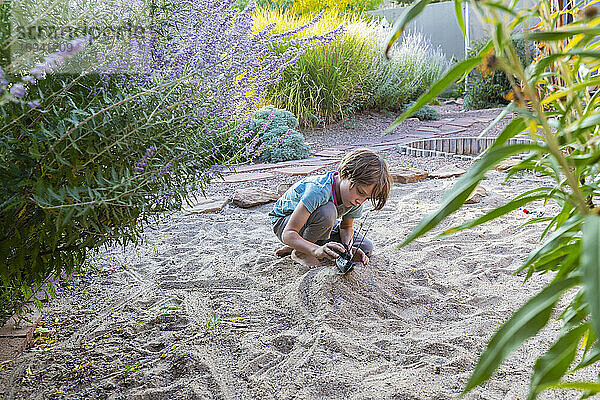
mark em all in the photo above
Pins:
pixel 205 310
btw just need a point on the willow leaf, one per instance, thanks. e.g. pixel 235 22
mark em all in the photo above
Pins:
pixel 400 25
pixel 590 255
pixel 589 386
pixel 590 358
pixel 495 213
pixel 554 240
pixel 557 35
pixel 550 367
pixel 459 16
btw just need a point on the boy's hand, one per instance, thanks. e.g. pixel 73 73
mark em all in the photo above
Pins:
pixel 330 250
pixel 360 256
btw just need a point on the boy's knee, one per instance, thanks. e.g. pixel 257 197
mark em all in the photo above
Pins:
pixel 320 223
pixel 325 214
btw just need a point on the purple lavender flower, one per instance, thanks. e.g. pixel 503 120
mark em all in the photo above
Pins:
pixel 18 90
pixel 164 170
pixel 143 162
pixel 29 79
pixel 230 61
pixel 223 66
pixel 43 67
pixel 34 104
pixel 54 60
pixel 37 72
pixel 166 197
pixel 74 47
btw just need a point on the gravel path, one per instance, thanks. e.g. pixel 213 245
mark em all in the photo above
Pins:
pixel 367 128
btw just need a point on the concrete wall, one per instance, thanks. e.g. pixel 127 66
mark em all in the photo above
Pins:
pixel 438 23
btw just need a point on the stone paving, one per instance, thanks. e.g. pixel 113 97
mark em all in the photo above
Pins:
pixel 446 127
pixel 332 155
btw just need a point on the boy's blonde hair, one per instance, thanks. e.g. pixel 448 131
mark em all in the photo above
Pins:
pixel 364 167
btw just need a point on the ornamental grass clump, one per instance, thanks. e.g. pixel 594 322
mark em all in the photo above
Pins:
pixel 413 66
pixel 328 75
pixel 95 144
pixel 308 7
pixel 557 104
pixel 349 74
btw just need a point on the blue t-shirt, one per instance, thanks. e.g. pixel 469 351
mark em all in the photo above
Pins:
pixel 313 192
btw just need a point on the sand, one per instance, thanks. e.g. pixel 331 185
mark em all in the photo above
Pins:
pixel 204 310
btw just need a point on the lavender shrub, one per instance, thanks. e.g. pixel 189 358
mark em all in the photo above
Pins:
pixel 87 156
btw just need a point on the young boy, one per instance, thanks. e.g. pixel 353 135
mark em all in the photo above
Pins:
pixel 305 217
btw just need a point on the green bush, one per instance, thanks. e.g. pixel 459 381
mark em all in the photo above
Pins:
pixel 413 67
pixel 280 141
pixel 87 158
pixel 490 91
pixel 75 179
pixel 425 113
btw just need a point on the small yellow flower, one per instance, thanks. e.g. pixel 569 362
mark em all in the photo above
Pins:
pixel 489 65
pixel 590 12
pixel 516 95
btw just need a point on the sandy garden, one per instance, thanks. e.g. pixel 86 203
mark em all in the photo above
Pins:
pixel 204 309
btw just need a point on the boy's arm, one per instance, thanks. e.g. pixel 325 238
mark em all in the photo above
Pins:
pixel 346 229
pixel 292 238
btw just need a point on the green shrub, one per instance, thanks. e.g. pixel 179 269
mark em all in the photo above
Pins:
pixel 280 139
pixel 75 179
pixel 87 158
pixel 490 91
pixel 425 113
pixel 413 67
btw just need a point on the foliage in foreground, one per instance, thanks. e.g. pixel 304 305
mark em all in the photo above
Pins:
pixel 557 102
pixel 348 73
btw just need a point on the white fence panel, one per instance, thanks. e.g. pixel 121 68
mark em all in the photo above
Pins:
pixel 438 24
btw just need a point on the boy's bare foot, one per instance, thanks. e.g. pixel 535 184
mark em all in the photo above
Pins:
pixel 284 251
pixel 305 259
